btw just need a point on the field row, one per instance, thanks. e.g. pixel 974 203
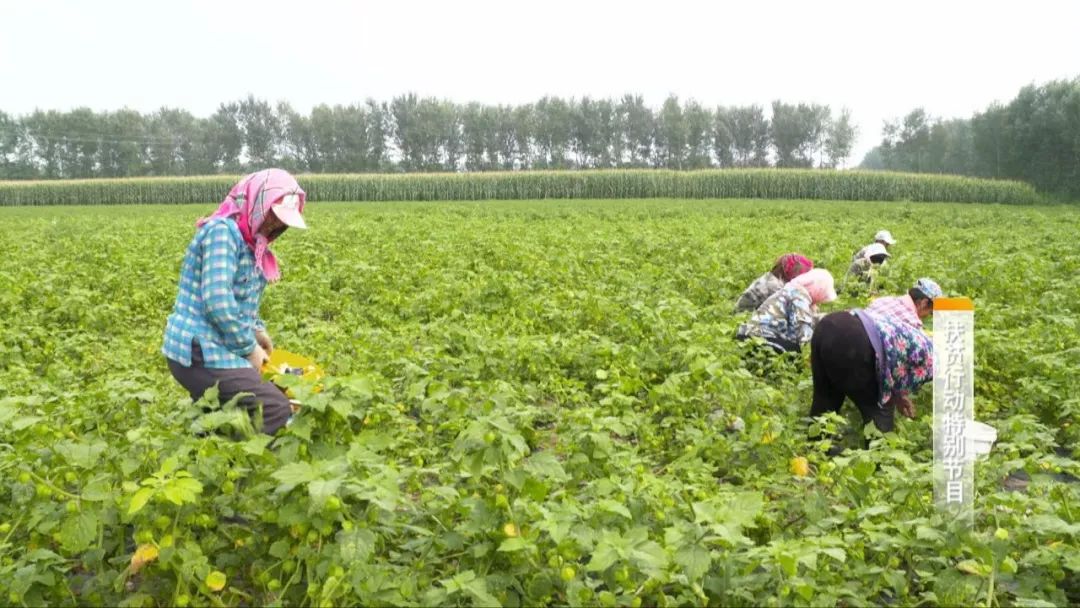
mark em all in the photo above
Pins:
pixel 728 183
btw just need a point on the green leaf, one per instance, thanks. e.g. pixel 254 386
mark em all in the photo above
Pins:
pixel 835 553
pixel 928 533
pixel 24 422
pixel 970 566
pixel 695 560
pixel 456 583
pixel 182 490
pixel 321 489
pixel 544 464
pixel 280 549
pixel 139 500
pixel 1073 561
pixel 650 557
pixel 1051 524
pixel 80 455
pixel 356 546
pixel 343 407
pixel 79 531
pixel 256 446
pixel 788 563
pixel 294 474
pixel 478 590
pixel 97 490
pixel 610 506
pixel 514 544
pixel 603 557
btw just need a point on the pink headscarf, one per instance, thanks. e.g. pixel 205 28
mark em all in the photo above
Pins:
pixel 793 264
pixel 248 203
pixel 818 283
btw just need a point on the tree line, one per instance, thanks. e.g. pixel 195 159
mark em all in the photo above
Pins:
pixel 1033 138
pixel 422 134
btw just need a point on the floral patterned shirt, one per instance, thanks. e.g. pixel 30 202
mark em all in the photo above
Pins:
pixel 909 358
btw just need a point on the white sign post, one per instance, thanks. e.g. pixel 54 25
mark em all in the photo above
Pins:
pixel 954 397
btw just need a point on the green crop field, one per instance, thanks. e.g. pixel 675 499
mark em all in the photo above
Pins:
pixel 526 403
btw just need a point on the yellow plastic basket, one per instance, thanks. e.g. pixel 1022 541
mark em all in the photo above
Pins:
pixel 283 362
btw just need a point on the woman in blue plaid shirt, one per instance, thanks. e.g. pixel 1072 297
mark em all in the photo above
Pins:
pixel 214 335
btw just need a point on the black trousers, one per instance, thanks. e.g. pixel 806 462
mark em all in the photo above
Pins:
pixel 842 362
pixel 231 382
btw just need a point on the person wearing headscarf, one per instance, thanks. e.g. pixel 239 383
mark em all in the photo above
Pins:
pixel 786 319
pixel 214 335
pixel 787 267
pixel 877 360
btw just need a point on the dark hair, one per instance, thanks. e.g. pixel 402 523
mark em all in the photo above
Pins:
pixel 878 259
pixel 917 294
pixel 778 270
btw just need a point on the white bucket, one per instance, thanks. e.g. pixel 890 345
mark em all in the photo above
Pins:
pixel 982 437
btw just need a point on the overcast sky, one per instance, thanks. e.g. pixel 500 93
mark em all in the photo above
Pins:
pixel 952 57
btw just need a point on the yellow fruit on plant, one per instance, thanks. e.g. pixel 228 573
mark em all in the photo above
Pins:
pixel 143 555
pixel 510 530
pixel 215 580
pixel 799 466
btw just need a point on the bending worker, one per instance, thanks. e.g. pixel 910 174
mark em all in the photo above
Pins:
pixel 877 357
pixel 787 267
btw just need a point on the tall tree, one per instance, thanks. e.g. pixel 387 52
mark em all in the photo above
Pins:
pixel 723 136
pixel 750 132
pixel 670 135
pixel 839 140
pixel 172 135
pixel 224 139
pixel 126 152
pixel 477 131
pixel 699 135
pixel 552 133
pixel 638 123
pixel 261 132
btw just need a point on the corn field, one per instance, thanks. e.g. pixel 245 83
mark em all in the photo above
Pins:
pixel 603 184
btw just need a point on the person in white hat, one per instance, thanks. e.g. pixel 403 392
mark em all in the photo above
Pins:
pixel 883 238
pixel 868 258
pixel 215 335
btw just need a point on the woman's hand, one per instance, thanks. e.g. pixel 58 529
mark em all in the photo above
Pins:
pixel 903 405
pixel 264 341
pixel 258 357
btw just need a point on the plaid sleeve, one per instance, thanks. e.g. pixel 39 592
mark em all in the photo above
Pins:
pixel 219 263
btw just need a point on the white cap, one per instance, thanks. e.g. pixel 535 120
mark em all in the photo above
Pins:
pixel 885 237
pixel 288 210
pixel 876 249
